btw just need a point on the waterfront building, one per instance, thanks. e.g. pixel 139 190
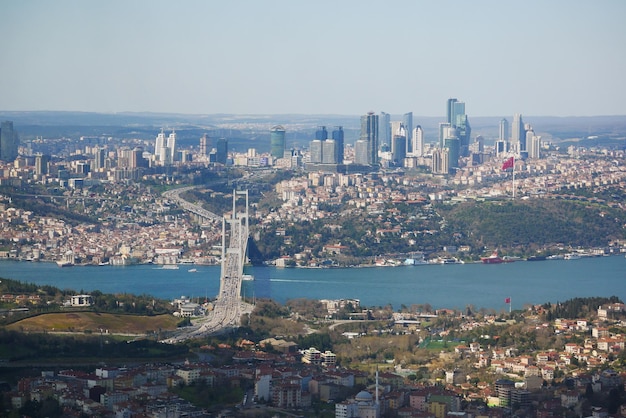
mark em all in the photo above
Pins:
pixel 369 134
pixel 277 141
pixel 8 141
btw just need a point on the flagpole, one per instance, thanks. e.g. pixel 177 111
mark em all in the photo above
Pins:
pixel 513 184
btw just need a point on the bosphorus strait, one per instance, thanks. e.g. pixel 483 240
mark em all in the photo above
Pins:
pixel 442 286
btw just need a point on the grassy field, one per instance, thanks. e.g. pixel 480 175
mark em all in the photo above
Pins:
pixel 94 322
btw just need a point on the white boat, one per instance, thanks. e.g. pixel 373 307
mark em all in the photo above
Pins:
pixel 170 267
pixel 571 256
pixel 247 277
pixel 192 270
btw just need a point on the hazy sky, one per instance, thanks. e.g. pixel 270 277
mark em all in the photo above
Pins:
pixel 557 57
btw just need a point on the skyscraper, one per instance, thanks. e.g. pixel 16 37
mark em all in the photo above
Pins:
pixel 221 149
pixel 277 141
pixel 407 121
pixel 457 118
pixel 205 145
pixel 418 141
pixel 321 133
pixel 315 151
pixel 171 145
pixel 369 133
pixel 384 128
pixel 518 134
pixel 337 136
pixel 8 142
pixel 503 132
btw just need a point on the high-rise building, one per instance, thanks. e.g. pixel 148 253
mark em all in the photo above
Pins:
pixel 328 152
pixel 503 131
pixel 205 145
pixel 321 133
pixel 171 145
pixel 337 136
pixel 41 164
pixel 221 148
pixel 361 152
pixel 398 149
pixel 315 151
pixel 159 147
pixel 443 127
pixel 277 141
pixel 369 133
pixel 384 128
pixel 99 158
pixel 518 133
pixel 533 143
pixel 456 117
pixel 418 141
pixel 8 142
pixel 407 121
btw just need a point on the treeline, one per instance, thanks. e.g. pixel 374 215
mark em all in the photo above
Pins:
pixel 578 307
pixel 42 346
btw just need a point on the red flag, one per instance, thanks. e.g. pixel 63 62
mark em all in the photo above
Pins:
pixel 508 163
pixel 507 300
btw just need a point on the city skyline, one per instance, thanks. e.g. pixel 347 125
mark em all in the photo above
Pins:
pixel 280 57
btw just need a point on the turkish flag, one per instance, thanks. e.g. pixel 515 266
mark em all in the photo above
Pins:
pixel 507 300
pixel 508 163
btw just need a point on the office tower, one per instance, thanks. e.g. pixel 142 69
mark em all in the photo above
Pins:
pixel 503 132
pixel 453 145
pixel 418 141
pixel 205 145
pixel 443 127
pixel 321 133
pixel 450 111
pixel 171 144
pixel 384 128
pixel 8 141
pixel 480 143
pixel 369 133
pixel 440 161
pixel 315 151
pixel 99 157
pixel 41 164
pixel 518 134
pixel 398 149
pixel 361 152
pixel 500 147
pixel 221 149
pixel 457 118
pixel 328 152
pixel 136 158
pixel 534 149
pixel 407 121
pixel 277 141
pixel 337 136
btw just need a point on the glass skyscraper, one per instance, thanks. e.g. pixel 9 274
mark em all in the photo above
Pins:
pixel 8 142
pixel 369 134
pixel 277 141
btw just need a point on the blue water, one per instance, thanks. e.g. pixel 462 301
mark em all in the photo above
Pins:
pixel 442 286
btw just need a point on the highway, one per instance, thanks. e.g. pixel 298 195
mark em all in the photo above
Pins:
pixel 228 307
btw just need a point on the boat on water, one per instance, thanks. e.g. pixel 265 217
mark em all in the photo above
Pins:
pixel 63 263
pixel 571 256
pixel 192 270
pixel 170 267
pixel 494 258
pixel 247 277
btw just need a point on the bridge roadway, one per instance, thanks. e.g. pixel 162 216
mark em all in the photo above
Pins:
pixel 174 195
pixel 228 306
